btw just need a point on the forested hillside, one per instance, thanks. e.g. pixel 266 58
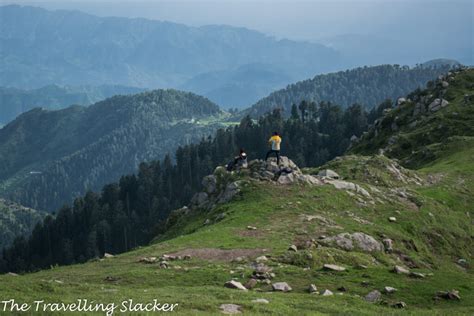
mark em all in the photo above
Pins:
pixel 15 101
pixel 131 212
pixel 367 86
pixel 49 157
pixel 16 221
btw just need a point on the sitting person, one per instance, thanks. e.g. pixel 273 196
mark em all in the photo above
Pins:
pixel 239 162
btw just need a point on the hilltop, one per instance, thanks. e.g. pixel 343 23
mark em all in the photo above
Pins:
pixel 60 154
pixel 370 235
pixel 15 101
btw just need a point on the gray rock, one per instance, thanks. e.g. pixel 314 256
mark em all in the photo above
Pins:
pixel 328 173
pixel 444 84
pixel 260 301
pixel 344 185
pixel 200 199
pixel 108 255
pixel 392 219
pixel 281 286
pixel 312 288
pixel 327 293
pixel 388 244
pixel 308 179
pixel 400 270
pixel 293 248
pixel 417 275
pixel 389 290
pixel 230 309
pixel 373 296
pixel 400 101
pixel 261 259
pixel 346 241
pixel 286 178
pixel 333 267
pixel 449 295
pixel 231 190
pixel 251 283
pixel 235 285
pixel 437 104
pixel 210 183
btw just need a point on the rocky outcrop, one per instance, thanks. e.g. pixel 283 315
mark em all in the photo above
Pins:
pixel 349 242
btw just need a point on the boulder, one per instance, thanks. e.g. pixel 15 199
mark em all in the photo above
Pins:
pixel 389 290
pixel 388 244
pixel 437 104
pixel 312 288
pixel 281 286
pixel 286 178
pixel 328 173
pixel 449 295
pixel 345 185
pixel 444 84
pixel 231 190
pixel 333 267
pixel 349 242
pixel 209 183
pixel 400 101
pixel 400 270
pixel 373 296
pixel 200 199
pixel 327 293
pixel 235 285
pixel 230 309
pixel 260 301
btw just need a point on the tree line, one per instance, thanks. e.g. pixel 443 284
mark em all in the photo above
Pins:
pixel 132 211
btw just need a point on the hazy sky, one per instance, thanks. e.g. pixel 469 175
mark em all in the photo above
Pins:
pixel 294 19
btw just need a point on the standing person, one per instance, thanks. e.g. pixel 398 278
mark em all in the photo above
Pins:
pixel 275 142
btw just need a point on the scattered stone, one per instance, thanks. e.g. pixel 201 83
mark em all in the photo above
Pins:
pixel 251 283
pixel 286 178
pixel 388 244
pixel 333 267
pixel 400 101
pixel 235 285
pixel 312 288
pixel 463 262
pixel 230 309
pixel 400 270
pixel 400 304
pixel 327 293
pixel 187 257
pixel 417 275
pixel 164 265
pixel 148 260
pixel 293 248
pixel 449 295
pixel 389 290
pixel 281 286
pixel 328 173
pixel 260 301
pixel 261 259
pixel 108 255
pixel 12 274
pixel 251 228
pixel 392 219
pixel 373 296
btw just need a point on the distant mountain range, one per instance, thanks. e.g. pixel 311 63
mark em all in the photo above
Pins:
pixel 41 47
pixel 49 157
pixel 368 86
pixel 15 101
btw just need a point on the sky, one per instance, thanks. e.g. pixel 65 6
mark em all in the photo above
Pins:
pixel 418 24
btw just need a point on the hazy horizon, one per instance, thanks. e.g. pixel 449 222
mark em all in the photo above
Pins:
pixel 426 28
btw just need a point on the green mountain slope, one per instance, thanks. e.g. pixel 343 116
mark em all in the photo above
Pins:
pixel 14 101
pixel 61 154
pixel 15 221
pixel 368 86
pixel 378 215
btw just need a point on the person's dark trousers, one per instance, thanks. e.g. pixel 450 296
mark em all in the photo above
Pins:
pixel 276 152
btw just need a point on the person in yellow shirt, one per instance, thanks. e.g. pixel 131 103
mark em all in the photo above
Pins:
pixel 275 142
